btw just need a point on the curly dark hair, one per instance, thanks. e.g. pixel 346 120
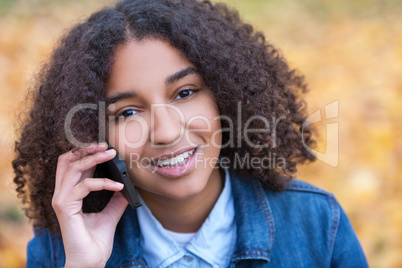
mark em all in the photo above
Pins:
pixel 236 63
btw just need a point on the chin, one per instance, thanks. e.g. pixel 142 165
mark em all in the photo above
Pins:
pixel 186 193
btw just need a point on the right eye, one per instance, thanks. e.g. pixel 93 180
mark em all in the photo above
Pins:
pixel 126 113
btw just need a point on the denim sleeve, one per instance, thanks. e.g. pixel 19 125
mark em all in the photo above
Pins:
pixel 39 250
pixel 347 251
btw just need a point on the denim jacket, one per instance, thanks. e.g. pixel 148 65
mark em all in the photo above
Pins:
pixel 303 226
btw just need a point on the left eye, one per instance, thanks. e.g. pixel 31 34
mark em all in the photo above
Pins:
pixel 126 113
pixel 185 93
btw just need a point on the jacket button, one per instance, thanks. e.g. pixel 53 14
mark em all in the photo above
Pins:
pixel 188 258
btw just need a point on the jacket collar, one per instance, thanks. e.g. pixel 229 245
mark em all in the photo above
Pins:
pixel 254 220
pixel 255 223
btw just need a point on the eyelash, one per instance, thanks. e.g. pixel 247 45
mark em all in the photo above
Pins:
pixel 124 114
pixel 186 89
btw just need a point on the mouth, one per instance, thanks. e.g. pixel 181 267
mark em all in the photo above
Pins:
pixel 174 161
pixel 177 166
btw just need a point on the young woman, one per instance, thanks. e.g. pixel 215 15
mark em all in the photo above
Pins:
pixel 209 121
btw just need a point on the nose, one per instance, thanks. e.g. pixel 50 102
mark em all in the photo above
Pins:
pixel 167 124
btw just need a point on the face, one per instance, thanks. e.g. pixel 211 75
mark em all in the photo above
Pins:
pixel 163 121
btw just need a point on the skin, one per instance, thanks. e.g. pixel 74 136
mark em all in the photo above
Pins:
pixel 186 118
pixel 87 238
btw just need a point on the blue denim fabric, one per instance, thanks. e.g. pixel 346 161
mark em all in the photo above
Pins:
pixel 303 226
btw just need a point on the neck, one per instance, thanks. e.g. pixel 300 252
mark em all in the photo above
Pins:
pixel 186 215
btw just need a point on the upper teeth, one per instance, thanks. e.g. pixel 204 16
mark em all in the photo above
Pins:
pixel 178 160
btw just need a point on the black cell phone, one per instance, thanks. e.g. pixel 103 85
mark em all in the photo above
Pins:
pixel 116 170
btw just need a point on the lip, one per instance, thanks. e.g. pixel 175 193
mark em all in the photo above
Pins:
pixel 179 170
pixel 171 155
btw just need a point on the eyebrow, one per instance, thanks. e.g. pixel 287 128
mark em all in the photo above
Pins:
pixel 169 80
pixel 180 74
pixel 120 96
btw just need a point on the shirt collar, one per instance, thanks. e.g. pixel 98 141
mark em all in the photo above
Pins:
pixel 214 242
pixel 216 239
pixel 158 249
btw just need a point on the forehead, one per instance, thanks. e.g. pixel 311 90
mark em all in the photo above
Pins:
pixel 143 62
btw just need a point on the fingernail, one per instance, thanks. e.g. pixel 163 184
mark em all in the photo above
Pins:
pixel 120 184
pixel 111 151
pixel 102 144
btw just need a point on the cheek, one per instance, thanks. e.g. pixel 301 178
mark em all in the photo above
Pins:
pixel 203 120
pixel 135 133
pixel 129 134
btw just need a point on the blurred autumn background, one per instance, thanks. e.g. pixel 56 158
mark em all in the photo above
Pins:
pixel 349 51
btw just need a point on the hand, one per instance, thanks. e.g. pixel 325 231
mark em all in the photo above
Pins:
pixel 87 238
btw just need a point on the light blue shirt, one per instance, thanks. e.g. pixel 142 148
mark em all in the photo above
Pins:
pixel 212 246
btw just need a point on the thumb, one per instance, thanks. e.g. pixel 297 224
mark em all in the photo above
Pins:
pixel 116 207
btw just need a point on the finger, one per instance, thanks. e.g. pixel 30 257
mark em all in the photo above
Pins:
pixel 65 159
pixel 116 207
pixel 79 153
pixel 88 185
pixel 74 173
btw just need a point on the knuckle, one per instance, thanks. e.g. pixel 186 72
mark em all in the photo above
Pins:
pixel 56 203
pixel 85 183
pixel 76 154
pixel 103 183
pixel 106 181
pixel 85 160
pixel 69 156
pixel 63 157
pixel 89 184
pixel 75 166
